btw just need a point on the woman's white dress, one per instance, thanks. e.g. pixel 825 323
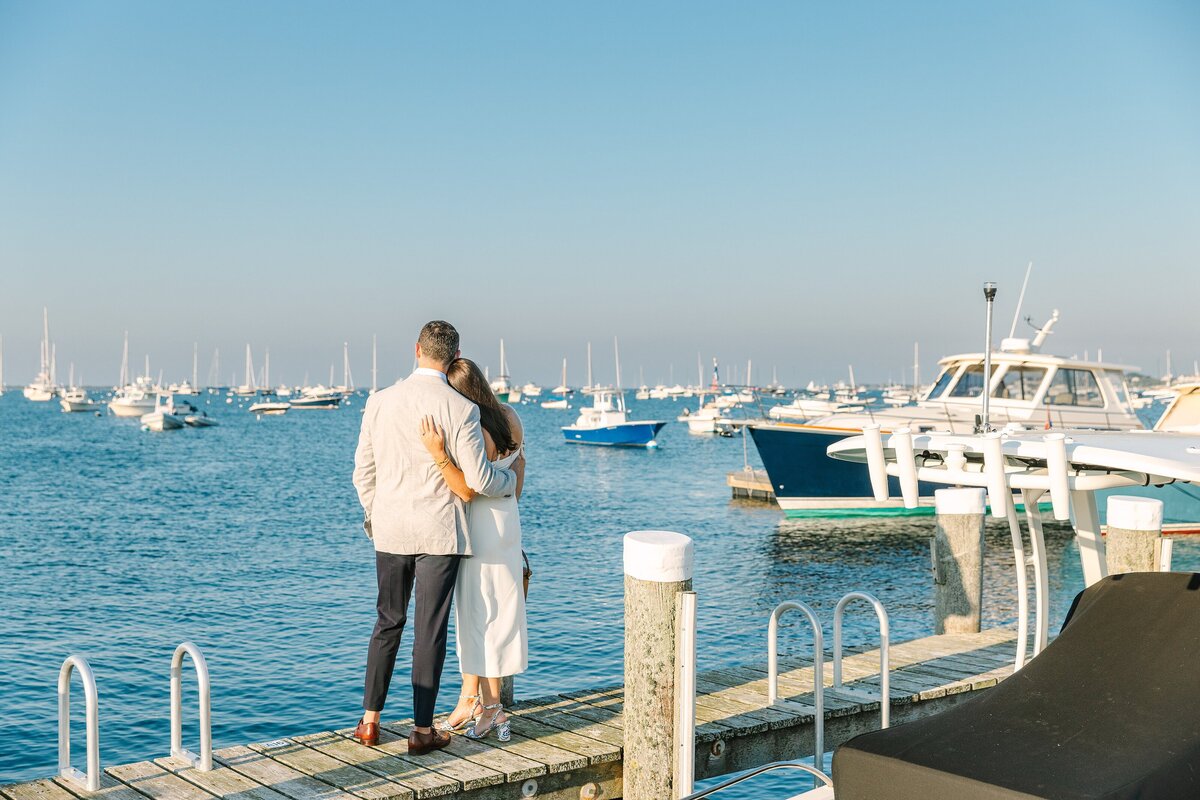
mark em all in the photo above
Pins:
pixel 489 602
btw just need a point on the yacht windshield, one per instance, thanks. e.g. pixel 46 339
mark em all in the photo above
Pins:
pixel 1075 387
pixel 942 382
pixel 1020 382
pixel 1117 381
pixel 971 382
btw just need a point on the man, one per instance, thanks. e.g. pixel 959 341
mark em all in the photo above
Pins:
pixel 417 524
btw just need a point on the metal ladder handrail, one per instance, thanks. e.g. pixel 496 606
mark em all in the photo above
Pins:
pixel 818 670
pixel 885 691
pixel 91 781
pixel 759 771
pixel 203 760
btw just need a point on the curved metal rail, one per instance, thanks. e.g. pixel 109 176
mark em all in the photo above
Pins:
pixel 203 760
pixel 885 693
pixel 90 781
pixel 816 773
pixel 818 670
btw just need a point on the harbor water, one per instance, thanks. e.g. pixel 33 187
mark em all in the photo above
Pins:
pixel 246 538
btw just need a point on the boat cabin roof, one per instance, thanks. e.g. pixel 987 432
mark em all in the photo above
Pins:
pixel 1039 359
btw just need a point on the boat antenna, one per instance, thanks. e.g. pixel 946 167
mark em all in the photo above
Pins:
pixel 1012 332
pixel 989 296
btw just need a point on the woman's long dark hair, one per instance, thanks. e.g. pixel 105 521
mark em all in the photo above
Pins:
pixel 468 380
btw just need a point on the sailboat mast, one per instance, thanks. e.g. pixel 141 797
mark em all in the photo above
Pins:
pixel 249 369
pixel 617 355
pixel 45 341
pixel 347 381
pixel 124 379
pixel 503 366
pixel 916 367
pixel 53 377
pixel 195 362
pixel 563 384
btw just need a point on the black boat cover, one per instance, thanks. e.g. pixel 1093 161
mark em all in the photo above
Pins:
pixel 1110 710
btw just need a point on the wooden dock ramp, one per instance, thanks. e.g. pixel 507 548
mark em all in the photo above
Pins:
pixel 568 746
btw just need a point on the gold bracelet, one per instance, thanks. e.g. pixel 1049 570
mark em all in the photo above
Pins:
pixel 443 462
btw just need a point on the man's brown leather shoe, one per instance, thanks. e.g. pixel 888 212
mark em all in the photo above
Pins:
pixel 367 733
pixel 421 743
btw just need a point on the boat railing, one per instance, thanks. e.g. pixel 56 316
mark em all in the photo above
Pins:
pixel 90 781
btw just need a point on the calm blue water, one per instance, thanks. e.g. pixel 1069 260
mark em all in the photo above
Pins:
pixel 245 538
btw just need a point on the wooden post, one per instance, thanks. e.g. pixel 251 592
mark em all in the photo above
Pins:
pixel 658 567
pixel 1134 534
pixel 958 560
pixel 506 691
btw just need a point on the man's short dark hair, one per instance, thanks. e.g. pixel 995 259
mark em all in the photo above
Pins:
pixel 439 341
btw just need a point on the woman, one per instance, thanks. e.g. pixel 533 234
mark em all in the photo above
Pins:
pixel 489 601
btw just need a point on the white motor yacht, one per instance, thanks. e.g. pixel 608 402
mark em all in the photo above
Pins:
pixel 1028 389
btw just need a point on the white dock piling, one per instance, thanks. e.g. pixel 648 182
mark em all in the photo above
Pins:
pixel 958 560
pixel 1134 534
pixel 658 568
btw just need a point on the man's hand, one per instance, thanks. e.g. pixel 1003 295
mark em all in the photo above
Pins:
pixel 432 437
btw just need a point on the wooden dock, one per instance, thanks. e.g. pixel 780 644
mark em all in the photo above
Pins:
pixel 751 485
pixel 570 745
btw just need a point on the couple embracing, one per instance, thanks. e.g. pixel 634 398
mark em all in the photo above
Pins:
pixel 439 468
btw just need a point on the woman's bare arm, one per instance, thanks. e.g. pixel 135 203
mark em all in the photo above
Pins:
pixel 435 443
pixel 518 434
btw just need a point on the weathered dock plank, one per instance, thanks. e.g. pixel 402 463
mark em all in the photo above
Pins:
pixel 220 780
pixel 353 780
pixel 45 789
pixel 275 775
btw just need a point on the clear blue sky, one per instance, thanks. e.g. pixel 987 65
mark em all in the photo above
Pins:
pixel 805 184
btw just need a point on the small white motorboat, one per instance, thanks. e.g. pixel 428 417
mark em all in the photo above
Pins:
pixel 270 407
pixel 707 418
pixel 75 400
pixel 163 417
pixel 201 420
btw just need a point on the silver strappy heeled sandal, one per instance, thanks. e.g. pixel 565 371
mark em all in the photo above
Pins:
pixel 476 710
pixel 502 729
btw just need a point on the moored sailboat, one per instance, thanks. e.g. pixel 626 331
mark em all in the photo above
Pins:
pixel 42 388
